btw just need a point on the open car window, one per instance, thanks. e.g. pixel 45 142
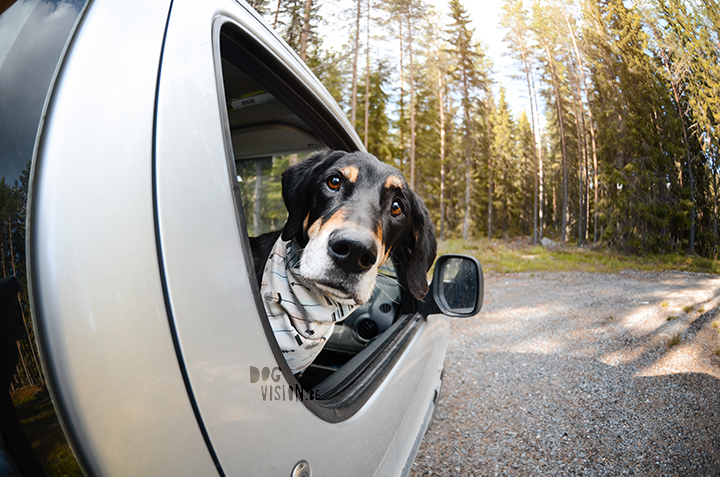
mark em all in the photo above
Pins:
pixel 273 123
pixel 266 138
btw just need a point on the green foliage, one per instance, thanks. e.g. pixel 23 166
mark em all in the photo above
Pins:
pixel 633 86
pixel 379 139
pixel 288 17
pixel 260 185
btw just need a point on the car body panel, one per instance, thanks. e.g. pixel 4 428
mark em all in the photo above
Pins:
pixel 96 289
pixel 141 282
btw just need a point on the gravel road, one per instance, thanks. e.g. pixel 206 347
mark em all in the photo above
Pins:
pixel 574 374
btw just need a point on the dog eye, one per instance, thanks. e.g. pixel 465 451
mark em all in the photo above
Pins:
pixel 333 182
pixel 396 209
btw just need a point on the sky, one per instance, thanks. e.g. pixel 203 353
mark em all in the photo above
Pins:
pixel 485 17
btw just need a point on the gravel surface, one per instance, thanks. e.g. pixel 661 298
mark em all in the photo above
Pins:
pixel 574 374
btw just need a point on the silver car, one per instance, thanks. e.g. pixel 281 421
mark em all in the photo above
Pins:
pixel 155 133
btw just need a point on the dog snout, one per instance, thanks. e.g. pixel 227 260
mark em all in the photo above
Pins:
pixel 354 251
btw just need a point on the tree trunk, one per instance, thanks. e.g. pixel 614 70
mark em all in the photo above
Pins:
pixel 353 99
pixel 715 206
pixel 441 101
pixel 535 151
pixel 277 15
pixel 12 252
pixel 367 78
pixel 581 153
pixel 540 171
pixel 490 171
pixel 691 246
pixel 257 200
pixel 466 134
pixel 587 180
pixel 412 104
pixel 581 67
pixel 528 74
pixel 305 30
pixel 18 374
pixel 2 257
pixel 561 125
pixel 402 95
pixel 28 376
pixel 30 341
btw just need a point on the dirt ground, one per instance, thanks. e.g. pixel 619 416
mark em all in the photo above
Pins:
pixel 582 374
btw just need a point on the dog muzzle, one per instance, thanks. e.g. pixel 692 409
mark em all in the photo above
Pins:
pixel 302 318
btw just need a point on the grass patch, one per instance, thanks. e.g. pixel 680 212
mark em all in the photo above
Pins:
pixel 701 310
pixel 672 317
pixel 23 395
pixel 519 256
pixel 665 304
pixel 688 309
pixel 675 340
pixel 43 430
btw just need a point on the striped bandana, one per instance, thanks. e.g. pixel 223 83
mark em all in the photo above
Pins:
pixel 302 318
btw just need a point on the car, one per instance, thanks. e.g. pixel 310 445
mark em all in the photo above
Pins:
pixel 153 135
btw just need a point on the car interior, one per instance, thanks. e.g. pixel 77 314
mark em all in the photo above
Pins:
pixel 269 132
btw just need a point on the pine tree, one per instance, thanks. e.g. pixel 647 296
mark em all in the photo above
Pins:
pixel 465 68
pixel 514 19
pixel 356 54
pixel 377 137
pixel 507 177
pixel 583 81
pixel 543 30
pixel 689 52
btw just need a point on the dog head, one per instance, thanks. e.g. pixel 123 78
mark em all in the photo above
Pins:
pixel 349 211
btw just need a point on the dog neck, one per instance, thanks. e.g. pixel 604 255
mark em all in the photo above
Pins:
pixel 302 318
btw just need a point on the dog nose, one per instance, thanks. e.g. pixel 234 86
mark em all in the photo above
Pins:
pixel 353 251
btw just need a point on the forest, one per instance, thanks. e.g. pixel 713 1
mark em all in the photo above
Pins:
pixel 617 147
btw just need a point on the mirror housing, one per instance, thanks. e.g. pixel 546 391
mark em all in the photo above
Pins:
pixel 457 288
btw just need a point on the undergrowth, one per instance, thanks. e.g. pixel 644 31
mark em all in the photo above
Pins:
pixel 509 257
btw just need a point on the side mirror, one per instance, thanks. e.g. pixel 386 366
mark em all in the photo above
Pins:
pixel 457 288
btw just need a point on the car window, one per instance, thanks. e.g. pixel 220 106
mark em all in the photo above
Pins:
pixel 33 35
pixel 266 138
pixel 270 129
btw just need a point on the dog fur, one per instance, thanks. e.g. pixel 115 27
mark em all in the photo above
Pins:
pixel 348 212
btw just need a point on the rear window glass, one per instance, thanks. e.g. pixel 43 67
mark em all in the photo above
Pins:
pixel 33 35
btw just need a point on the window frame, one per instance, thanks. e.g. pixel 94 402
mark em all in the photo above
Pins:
pixel 240 47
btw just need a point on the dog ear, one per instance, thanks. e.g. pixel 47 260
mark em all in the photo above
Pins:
pixel 423 250
pixel 296 188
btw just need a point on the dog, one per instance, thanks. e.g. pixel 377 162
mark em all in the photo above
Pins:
pixel 347 213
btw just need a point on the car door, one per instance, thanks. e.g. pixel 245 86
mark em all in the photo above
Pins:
pixel 258 418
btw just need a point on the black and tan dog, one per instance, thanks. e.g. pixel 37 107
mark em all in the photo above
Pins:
pixel 346 213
